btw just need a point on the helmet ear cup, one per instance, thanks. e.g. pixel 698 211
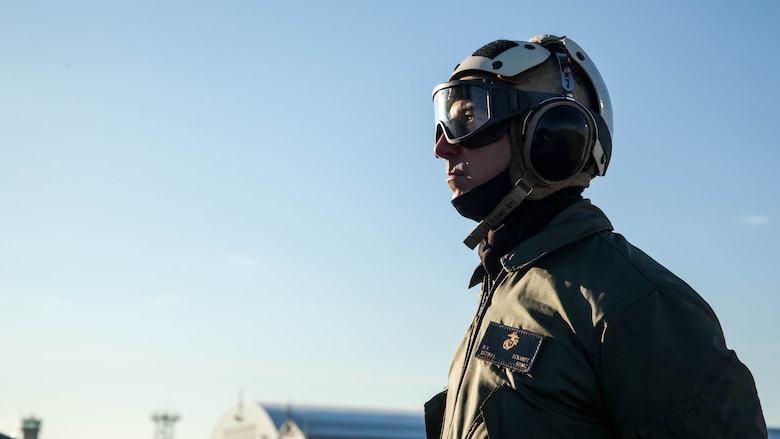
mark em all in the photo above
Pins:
pixel 558 139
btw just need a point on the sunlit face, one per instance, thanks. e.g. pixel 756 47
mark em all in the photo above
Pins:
pixel 468 168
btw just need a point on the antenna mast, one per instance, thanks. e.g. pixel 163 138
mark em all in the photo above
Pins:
pixel 163 424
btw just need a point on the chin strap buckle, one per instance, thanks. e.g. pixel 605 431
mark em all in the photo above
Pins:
pixel 513 199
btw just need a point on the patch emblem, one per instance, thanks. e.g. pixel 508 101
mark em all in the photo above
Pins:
pixel 509 347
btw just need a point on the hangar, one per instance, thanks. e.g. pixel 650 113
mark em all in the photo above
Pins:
pixel 254 420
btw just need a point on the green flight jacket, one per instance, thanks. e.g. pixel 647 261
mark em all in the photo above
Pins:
pixel 599 341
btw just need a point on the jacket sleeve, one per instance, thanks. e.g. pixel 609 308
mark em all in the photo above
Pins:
pixel 666 372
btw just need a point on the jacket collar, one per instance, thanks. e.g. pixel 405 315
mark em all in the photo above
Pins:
pixel 578 221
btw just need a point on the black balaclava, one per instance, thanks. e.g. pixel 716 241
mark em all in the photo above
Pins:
pixel 477 203
pixel 524 222
pixel 528 219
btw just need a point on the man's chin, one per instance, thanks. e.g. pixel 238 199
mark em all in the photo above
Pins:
pixel 457 193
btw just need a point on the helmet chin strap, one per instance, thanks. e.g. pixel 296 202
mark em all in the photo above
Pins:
pixel 528 185
pixel 522 189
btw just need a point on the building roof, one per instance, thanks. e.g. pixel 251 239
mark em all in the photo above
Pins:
pixel 336 423
pixel 249 420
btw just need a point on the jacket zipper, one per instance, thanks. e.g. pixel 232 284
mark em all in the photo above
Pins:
pixel 487 294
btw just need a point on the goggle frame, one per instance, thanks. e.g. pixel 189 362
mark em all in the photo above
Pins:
pixel 501 104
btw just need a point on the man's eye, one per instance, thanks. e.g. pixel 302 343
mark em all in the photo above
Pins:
pixel 465 118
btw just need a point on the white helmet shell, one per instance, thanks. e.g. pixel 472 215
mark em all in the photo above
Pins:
pixel 505 59
pixel 579 56
pixel 508 63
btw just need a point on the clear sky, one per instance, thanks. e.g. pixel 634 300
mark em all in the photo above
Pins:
pixel 203 199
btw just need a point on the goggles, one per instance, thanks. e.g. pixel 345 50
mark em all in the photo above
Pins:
pixel 471 112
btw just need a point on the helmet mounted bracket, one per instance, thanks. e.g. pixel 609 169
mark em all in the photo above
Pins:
pixel 567 77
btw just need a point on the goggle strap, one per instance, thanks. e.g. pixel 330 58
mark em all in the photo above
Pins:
pixel 513 199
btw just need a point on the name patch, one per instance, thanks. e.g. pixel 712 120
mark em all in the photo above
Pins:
pixel 509 347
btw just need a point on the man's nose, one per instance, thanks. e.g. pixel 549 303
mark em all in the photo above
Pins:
pixel 443 149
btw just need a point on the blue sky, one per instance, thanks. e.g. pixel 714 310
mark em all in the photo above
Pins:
pixel 207 199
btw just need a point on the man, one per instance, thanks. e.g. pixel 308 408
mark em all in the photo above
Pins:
pixel 578 334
